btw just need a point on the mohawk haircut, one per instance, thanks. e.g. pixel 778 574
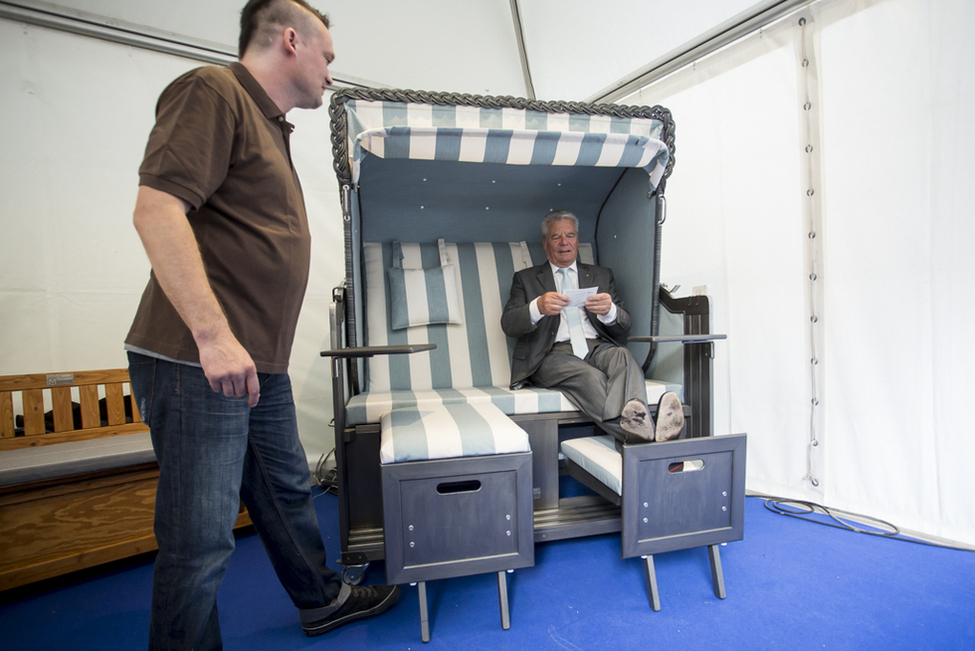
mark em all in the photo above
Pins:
pixel 262 20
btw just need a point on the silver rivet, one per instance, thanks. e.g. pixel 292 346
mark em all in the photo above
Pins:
pixel 724 508
pixel 411 527
pixel 645 520
pixel 412 544
pixel 724 493
pixel 646 505
pixel 507 517
pixel 507 533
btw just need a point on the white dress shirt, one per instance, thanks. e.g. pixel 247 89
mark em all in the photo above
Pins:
pixel 587 327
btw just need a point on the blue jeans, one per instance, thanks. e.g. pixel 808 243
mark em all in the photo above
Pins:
pixel 214 452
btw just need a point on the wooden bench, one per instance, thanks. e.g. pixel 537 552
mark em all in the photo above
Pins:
pixel 77 475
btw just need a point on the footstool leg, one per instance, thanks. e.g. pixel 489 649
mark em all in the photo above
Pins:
pixel 652 591
pixel 717 576
pixel 424 614
pixel 503 598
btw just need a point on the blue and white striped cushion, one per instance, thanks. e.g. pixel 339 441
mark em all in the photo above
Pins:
pixel 474 353
pixel 597 455
pixel 371 407
pixel 449 431
pixel 422 297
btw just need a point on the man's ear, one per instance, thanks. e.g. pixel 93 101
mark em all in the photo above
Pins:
pixel 289 39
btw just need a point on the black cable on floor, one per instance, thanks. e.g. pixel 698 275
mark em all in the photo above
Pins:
pixel 801 509
pixel 327 480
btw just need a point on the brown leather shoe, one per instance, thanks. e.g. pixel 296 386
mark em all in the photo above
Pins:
pixel 670 417
pixel 635 421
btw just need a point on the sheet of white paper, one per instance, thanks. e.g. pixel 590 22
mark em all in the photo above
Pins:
pixel 577 297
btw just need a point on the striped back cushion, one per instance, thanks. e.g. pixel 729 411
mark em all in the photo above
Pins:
pixel 473 353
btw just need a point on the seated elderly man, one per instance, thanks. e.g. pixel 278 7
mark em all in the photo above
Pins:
pixel 579 350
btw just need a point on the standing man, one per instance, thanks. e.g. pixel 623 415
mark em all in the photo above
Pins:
pixel 222 218
pixel 578 350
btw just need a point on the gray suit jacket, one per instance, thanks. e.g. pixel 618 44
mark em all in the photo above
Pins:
pixel 534 342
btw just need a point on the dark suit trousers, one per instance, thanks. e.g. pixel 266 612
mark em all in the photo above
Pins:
pixel 600 385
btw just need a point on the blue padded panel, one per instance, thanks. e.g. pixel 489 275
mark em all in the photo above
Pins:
pixel 415 201
pixel 625 242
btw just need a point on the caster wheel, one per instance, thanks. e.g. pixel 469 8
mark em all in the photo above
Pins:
pixel 353 574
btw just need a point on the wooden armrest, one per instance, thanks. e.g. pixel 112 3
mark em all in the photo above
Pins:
pixel 684 339
pixel 369 351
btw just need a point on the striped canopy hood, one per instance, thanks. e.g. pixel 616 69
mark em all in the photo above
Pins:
pixel 468 128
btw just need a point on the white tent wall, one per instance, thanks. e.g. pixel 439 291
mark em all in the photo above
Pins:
pixel 578 47
pixel 894 436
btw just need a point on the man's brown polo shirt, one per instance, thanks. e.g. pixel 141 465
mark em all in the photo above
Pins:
pixel 221 144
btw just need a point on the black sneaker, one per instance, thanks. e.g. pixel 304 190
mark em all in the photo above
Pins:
pixel 363 601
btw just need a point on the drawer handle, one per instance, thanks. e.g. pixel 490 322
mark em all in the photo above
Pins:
pixel 686 466
pixel 452 488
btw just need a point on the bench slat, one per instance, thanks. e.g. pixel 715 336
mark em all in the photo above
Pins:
pixel 63 416
pixel 115 403
pixel 89 406
pixel 33 412
pixel 6 414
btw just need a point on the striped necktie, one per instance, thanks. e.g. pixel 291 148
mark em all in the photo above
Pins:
pixel 573 317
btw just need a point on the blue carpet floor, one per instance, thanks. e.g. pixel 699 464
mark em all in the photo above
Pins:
pixel 790 585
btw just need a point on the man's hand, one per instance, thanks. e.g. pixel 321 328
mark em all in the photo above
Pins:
pixel 552 303
pixel 599 304
pixel 230 369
